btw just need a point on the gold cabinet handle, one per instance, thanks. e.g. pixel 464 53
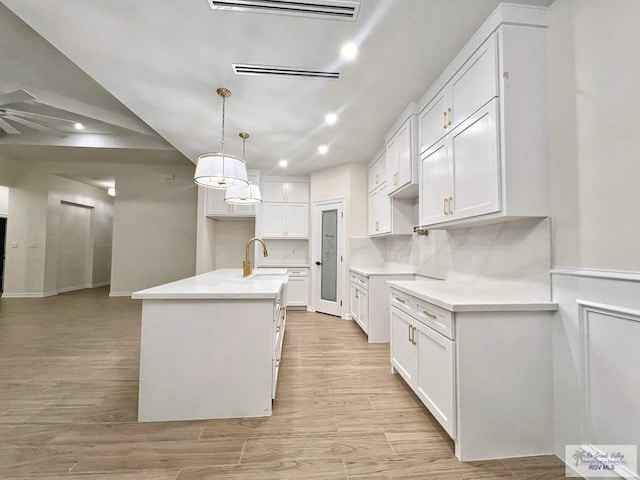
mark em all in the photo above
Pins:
pixel 413 337
pixel 377 226
pixel 377 178
pixel 444 121
pixel 398 299
pixel 446 206
pixel 450 205
pixel 429 314
pixel 277 329
pixel 357 296
pixel 410 331
pixel 449 116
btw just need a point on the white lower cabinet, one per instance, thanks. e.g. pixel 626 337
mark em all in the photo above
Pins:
pixel 360 306
pixel 485 376
pixel 298 287
pixel 425 359
pixel 370 301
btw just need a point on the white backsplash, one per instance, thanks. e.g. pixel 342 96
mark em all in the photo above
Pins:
pixel 285 252
pixel 513 256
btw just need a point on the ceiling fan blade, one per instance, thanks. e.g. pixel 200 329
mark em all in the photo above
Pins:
pixel 7 127
pixel 15 97
pixel 36 116
pixel 34 125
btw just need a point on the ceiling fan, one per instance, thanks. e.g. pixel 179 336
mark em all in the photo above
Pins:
pixel 12 116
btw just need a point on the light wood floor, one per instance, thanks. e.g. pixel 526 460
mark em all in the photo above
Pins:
pixel 68 400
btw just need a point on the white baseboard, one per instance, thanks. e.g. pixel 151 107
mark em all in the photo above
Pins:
pixel 120 294
pixel 100 284
pixel 28 295
pixel 73 289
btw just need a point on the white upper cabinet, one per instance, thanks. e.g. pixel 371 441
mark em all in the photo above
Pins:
pixel 402 155
pixel 284 191
pixel 386 215
pixel 377 173
pixel 471 88
pixel 284 212
pixel 482 127
pixel 218 208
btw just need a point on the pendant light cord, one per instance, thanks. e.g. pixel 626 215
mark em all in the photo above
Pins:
pixel 224 99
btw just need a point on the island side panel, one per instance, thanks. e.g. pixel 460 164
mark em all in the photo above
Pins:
pixel 204 359
pixel 504 384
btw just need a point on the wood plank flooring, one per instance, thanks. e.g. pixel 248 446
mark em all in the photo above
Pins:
pixel 68 408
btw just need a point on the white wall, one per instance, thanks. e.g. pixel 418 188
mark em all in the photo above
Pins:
pixel 154 231
pixel 347 181
pixel 4 201
pixel 65 190
pixel 594 65
pixel 26 236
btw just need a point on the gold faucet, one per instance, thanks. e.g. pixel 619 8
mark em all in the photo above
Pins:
pixel 246 265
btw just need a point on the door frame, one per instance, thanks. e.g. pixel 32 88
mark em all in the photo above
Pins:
pixel 316 246
pixel 3 262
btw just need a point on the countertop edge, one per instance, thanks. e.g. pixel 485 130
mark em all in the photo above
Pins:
pixel 491 306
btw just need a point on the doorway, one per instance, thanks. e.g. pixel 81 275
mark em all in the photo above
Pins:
pixel 3 235
pixel 75 247
pixel 329 256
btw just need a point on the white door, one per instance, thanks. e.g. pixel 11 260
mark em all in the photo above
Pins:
pixel 328 261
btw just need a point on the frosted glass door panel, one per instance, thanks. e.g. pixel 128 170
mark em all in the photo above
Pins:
pixel 328 290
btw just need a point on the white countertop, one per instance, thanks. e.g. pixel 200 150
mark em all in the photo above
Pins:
pixel 384 270
pixel 220 284
pixel 459 297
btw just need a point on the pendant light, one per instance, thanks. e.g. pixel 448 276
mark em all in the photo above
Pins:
pixel 249 195
pixel 220 170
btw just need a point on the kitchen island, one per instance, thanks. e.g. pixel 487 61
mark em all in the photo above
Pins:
pixel 210 345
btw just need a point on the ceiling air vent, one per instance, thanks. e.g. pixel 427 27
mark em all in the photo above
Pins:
pixel 331 9
pixel 244 69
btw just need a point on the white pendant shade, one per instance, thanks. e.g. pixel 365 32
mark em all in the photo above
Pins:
pixel 215 170
pixel 244 196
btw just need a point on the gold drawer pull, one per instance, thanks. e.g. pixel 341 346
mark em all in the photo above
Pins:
pixel 413 337
pixel 410 330
pixel 429 314
pixel 398 299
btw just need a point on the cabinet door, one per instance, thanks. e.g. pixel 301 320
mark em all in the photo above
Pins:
pixel 383 208
pixel 435 184
pixel 215 202
pixel 297 220
pixel 354 301
pixel 403 354
pixel 476 83
pixel 476 164
pixel 247 210
pixel 273 191
pixel 297 192
pixel 273 220
pixel 363 314
pixel 371 214
pixel 377 173
pixel 433 121
pixel 297 291
pixel 434 379
pixel 391 153
pixel 405 162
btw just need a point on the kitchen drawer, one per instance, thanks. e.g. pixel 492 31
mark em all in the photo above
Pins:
pixel 298 272
pixel 438 318
pixel 360 280
pixel 402 301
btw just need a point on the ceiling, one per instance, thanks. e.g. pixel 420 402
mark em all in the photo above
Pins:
pixel 152 67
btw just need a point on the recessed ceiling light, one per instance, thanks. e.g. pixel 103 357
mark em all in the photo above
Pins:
pixel 330 118
pixel 349 51
pixel 111 191
pixel 78 126
pixel 283 163
pixel 322 149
